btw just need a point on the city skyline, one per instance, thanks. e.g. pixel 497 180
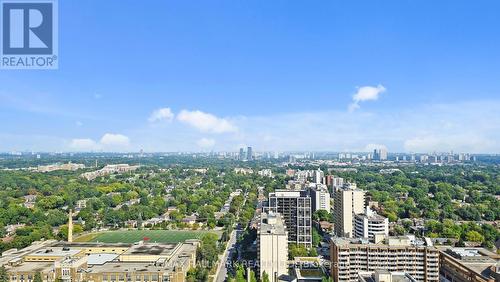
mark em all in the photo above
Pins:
pixel 413 77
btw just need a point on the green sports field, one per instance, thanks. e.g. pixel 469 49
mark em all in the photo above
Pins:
pixel 131 236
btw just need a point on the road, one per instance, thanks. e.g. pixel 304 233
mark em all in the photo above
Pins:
pixel 230 249
pixel 228 254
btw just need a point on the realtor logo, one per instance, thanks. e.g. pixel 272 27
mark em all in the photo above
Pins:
pixel 29 34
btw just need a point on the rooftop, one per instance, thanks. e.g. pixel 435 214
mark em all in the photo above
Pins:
pixel 55 252
pixel 272 223
pixel 385 275
pixel 31 267
pixel 151 249
pixel 479 260
pixel 100 258
pixel 392 241
pixel 127 267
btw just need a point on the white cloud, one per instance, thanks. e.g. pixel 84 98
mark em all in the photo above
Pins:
pixel 163 114
pixel 84 144
pixel 365 93
pixel 206 143
pixel 463 127
pixel 371 147
pixel 79 123
pixel 456 142
pixel 110 139
pixel 206 122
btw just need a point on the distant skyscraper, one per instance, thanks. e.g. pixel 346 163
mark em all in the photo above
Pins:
pixel 242 154
pixel 380 154
pixel 383 154
pixel 249 154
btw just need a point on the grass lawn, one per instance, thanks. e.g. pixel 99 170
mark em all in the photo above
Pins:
pixel 131 236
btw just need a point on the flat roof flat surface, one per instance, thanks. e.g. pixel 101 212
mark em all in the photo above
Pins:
pixel 151 249
pixel 55 252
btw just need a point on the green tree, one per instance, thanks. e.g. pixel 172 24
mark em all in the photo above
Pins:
pixel 3 274
pixel 252 276
pixel 316 238
pixel 312 252
pixel 208 251
pixel 321 215
pixel 297 251
pixel 38 277
pixel 240 274
pixel 474 236
pixel 265 277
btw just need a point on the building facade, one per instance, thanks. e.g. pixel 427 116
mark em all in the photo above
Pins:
pixel 272 246
pixel 97 262
pixel 320 197
pixel 348 202
pixel 295 207
pixel 369 224
pixel 469 265
pixel 401 254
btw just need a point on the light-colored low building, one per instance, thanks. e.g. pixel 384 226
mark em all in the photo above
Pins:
pixel 272 246
pixel 109 169
pixel 97 262
pixel 53 167
pixel 469 265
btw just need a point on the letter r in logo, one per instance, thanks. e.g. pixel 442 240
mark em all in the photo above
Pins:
pixel 27 28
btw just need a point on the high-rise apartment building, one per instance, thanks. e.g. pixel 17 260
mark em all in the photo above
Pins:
pixel 369 224
pixel 320 197
pixel 380 154
pixel 295 207
pixel 337 182
pixel 383 154
pixel 348 202
pixel 318 176
pixel 402 254
pixel 242 154
pixel 249 154
pixel 272 246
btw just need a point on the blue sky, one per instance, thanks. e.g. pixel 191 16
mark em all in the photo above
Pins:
pixel 277 75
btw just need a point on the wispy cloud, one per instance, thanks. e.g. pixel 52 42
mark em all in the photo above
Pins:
pixel 163 114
